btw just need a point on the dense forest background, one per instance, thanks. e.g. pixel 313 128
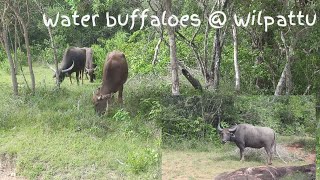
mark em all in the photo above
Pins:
pixel 283 60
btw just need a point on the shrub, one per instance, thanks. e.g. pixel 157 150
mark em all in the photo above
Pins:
pixel 140 160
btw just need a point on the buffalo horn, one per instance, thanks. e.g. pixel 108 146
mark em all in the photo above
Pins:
pixel 66 70
pixel 51 68
pixel 233 129
pixel 219 127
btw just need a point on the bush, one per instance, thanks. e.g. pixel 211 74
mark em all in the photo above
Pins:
pixel 293 115
pixel 195 117
pixel 140 160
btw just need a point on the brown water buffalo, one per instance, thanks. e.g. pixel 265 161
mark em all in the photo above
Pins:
pixel 74 60
pixel 115 74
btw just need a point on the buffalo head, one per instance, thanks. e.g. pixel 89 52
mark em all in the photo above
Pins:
pixel 226 134
pixel 91 72
pixel 101 101
pixel 62 73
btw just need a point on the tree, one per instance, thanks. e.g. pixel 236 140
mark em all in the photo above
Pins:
pixel 219 38
pixel 173 53
pixel 24 25
pixel 235 58
pixel 53 46
pixel 288 47
pixel 4 22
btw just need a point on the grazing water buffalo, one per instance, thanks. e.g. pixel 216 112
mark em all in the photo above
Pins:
pixel 90 66
pixel 115 74
pixel 246 135
pixel 74 60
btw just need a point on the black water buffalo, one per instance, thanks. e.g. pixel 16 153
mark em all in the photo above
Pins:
pixel 90 66
pixel 115 74
pixel 74 60
pixel 246 135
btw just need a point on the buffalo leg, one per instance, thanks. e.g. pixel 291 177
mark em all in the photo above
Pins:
pixel 86 75
pixel 241 154
pixel 81 72
pixel 120 94
pixel 70 78
pixel 77 77
pixel 269 153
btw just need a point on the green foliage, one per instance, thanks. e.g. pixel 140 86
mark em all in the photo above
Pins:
pixel 121 115
pixel 21 60
pixel 5 66
pixel 138 49
pixel 45 55
pixel 139 160
pixel 287 115
pixel 194 117
pixel 3 55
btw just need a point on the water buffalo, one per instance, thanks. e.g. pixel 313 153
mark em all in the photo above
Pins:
pixel 90 66
pixel 247 135
pixel 74 60
pixel 115 74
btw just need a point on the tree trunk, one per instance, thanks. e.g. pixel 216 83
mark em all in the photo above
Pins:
pixel 173 53
pixel 205 53
pixel 193 81
pixel 215 66
pixel 282 81
pixel 318 107
pixel 219 37
pixel 195 51
pixel 156 52
pixel 235 58
pixel 12 68
pixel 26 39
pixel 16 47
pixel 288 73
pixel 286 77
pixel 53 46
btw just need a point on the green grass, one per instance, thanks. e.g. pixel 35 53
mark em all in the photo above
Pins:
pixel 56 134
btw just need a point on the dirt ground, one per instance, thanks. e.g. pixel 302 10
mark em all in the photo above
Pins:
pixel 189 165
pixel 8 170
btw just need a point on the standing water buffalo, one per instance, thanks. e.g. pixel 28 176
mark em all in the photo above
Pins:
pixel 246 135
pixel 90 66
pixel 74 60
pixel 115 74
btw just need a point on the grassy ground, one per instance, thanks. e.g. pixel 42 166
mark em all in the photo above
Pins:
pixel 205 161
pixel 55 134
